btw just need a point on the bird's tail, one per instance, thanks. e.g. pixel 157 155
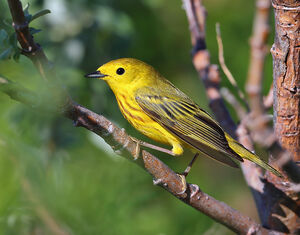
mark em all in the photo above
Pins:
pixel 246 154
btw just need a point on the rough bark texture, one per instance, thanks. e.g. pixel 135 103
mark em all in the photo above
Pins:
pixel 286 67
pixel 286 73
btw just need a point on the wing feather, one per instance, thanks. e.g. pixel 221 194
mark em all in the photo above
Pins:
pixel 186 120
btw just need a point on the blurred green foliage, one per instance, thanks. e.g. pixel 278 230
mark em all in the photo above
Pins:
pixel 77 180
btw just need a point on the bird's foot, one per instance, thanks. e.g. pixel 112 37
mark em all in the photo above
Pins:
pixel 184 185
pixel 186 172
pixel 137 148
pixel 194 189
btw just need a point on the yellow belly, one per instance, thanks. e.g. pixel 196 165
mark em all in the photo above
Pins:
pixel 146 125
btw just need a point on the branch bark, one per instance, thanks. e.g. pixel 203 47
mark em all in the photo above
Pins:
pixel 261 131
pixel 259 127
pixel 286 75
pixel 286 67
pixel 258 43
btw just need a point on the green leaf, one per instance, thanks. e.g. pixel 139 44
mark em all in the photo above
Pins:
pixel 26 8
pixel 40 13
pixel 8 46
pixel 27 15
pixel 30 17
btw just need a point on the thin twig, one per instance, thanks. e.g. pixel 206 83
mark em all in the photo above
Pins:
pixel 258 46
pixel 269 98
pixel 225 68
pixel 254 120
pixel 29 47
pixel 252 173
pixel 230 98
pixel 260 129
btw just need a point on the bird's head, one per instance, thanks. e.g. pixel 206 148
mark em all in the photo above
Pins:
pixel 125 71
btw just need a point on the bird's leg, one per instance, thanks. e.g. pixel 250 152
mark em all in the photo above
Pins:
pixel 145 144
pixel 189 167
pixel 186 172
pixel 137 148
pixel 140 143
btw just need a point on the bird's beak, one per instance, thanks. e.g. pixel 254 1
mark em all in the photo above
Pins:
pixel 96 74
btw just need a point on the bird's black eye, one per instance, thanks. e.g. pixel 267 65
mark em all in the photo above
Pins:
pixel 120 71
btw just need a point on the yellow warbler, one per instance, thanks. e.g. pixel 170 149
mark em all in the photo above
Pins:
pixel 155 107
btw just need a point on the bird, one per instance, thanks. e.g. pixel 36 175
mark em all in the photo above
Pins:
pixel 162 112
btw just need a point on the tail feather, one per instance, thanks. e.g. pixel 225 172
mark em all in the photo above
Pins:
pixel 246 154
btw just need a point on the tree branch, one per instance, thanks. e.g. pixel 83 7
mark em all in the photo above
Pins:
pixel 258 125
pixel 258 45
pixel 286 81
pixel 230 98
pixel 286 75
pixel 29 48
pixel 225 68
pixel 268 99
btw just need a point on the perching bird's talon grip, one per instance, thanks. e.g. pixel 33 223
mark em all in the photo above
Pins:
pixel 137 148
pixel 157 181
pixel 194 189
pixel 137 151
pixel 184 185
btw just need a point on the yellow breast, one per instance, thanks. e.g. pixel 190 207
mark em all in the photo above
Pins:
pixel 141 121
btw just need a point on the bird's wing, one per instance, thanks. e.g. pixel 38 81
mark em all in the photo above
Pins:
pixel 182 117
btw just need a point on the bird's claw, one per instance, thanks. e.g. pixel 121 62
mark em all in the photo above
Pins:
pixel 137 149
pixel 157 181
pixel 194 189
pixel 183 181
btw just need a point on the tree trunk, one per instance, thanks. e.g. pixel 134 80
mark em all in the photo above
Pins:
pixel 286 74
